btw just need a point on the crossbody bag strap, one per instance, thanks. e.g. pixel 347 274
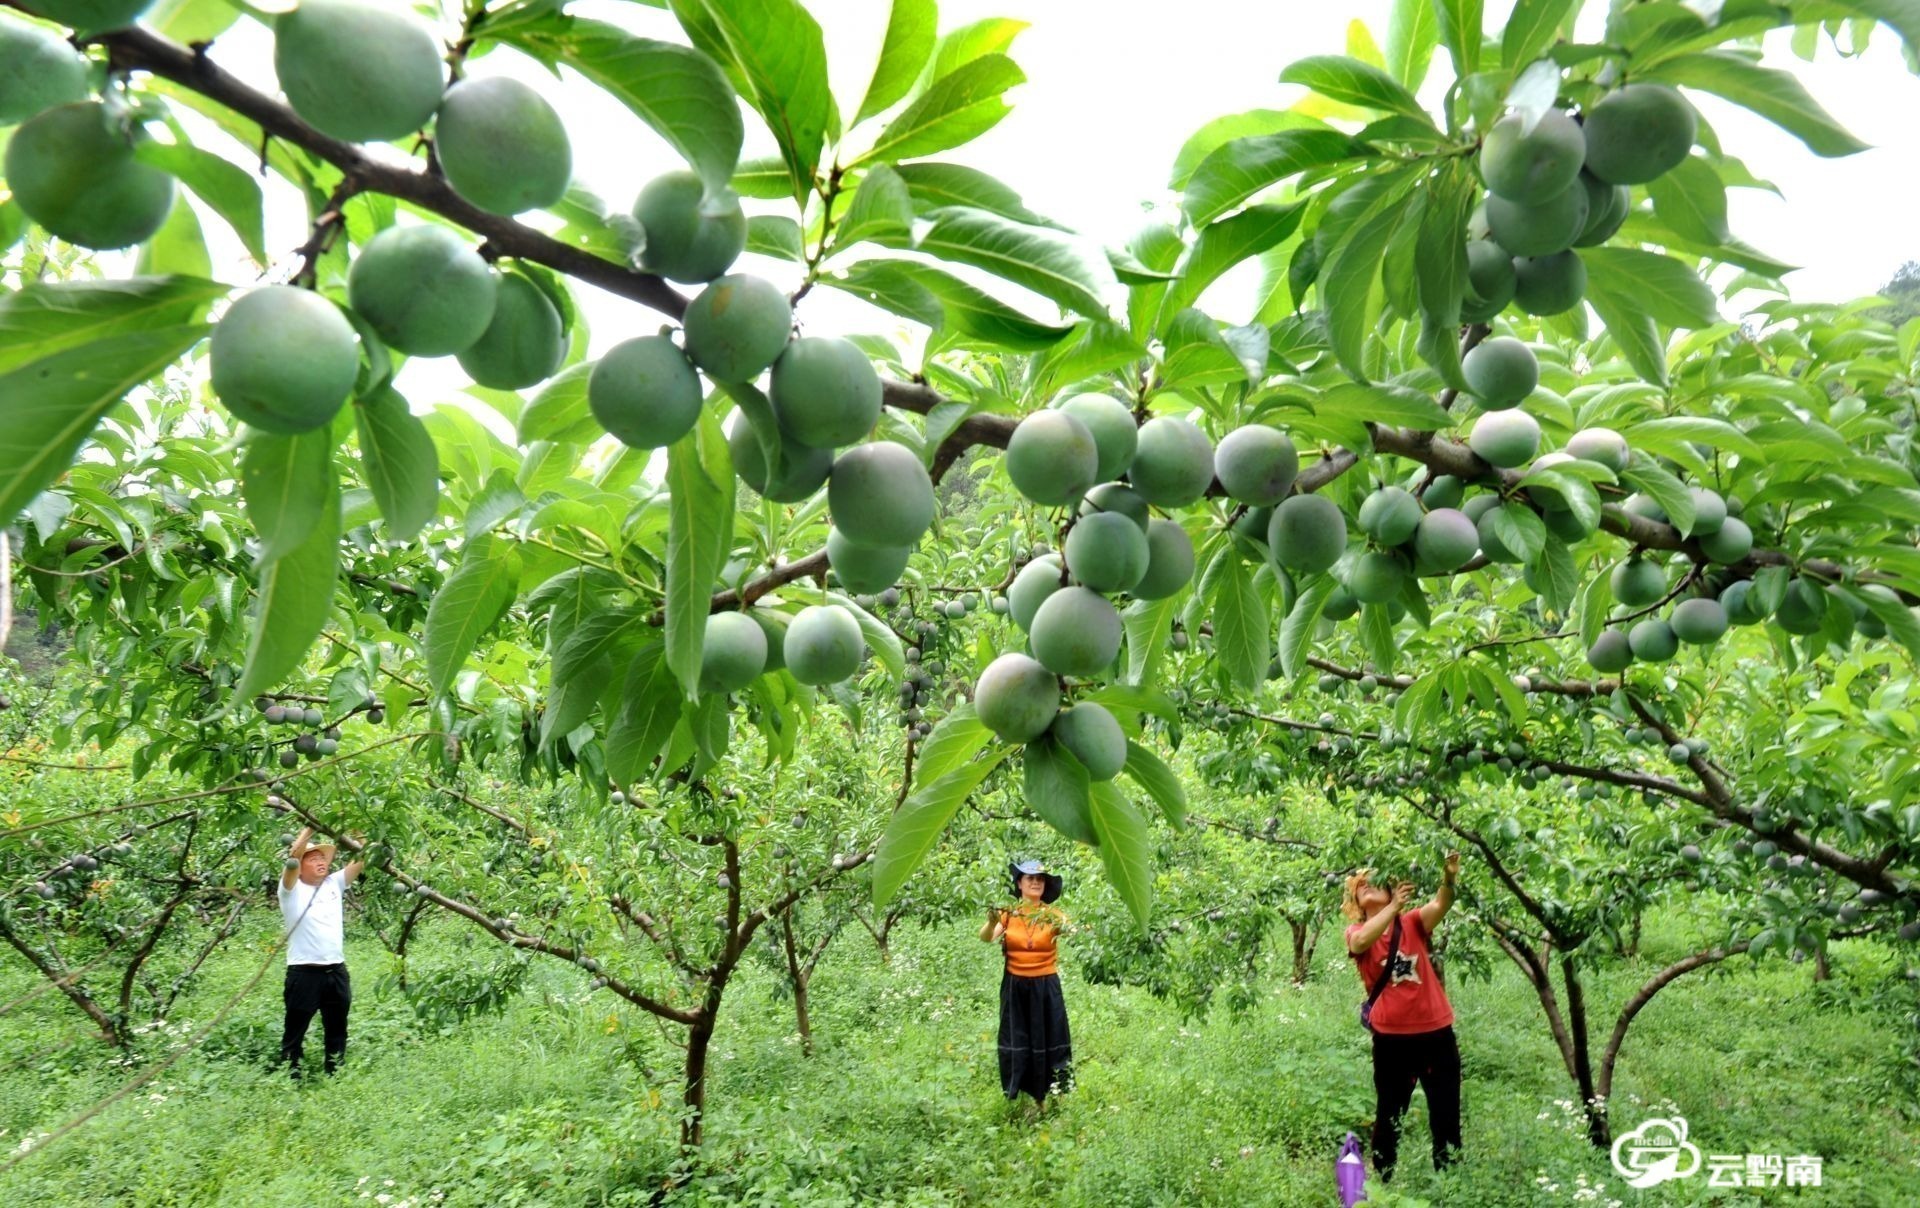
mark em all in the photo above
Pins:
pixel 1386 970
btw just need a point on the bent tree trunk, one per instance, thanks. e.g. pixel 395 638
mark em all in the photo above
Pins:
pixel 68 983
pixel 1592 1100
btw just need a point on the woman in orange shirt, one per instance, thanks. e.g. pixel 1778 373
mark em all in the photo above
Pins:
pixel 1036 1051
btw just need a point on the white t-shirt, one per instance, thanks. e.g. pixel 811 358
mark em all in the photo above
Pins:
pixel 313 913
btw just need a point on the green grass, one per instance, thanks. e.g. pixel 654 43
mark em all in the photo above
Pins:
pixel 550 1102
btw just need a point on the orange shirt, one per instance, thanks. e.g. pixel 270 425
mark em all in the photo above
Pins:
pixel 1031 941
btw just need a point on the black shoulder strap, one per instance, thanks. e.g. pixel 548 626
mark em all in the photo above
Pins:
pixel 1386 970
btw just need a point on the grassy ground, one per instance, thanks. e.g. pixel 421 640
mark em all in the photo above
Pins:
pixel 550 1103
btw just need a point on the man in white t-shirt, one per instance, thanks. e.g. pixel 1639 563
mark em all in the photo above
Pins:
pixel 311 901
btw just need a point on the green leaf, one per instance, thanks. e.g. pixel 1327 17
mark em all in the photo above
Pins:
pixel 1533 27
pixel 179 246
pixel 957 109
pixel 1058 267
pixel 1158 780
pixel 1147 624
pixel 1224 244
pixel 560 412
pixel 1376 636
pixel 964 44
pixel 41 320
pixel 1222 130
pixel 700 490
pixel 293 601
pixel 1125 849
pixel 1440 261
pixel 1383 405
pixel 955 739
pixel 1595 603
pixel 1691 199
pixel 499 499
pixel 1519 528
pixel 1297 630
pixel 472 600
pixel 1656 435
pixel 1460 33
pixel 1354 83
pixel 283 481
pixel 1666 490
pixel 777 236
pixel 190 21
pixel 228 189
pixel 919 821
pixel 881 209
pixel 1667 290
pixel 1630 327
pixel 650 709
pixel 1240 626
pixel 939 299
pixel 911 28
pixel 582 669
pixel 1347 283
pixel 764 177
pixel 676 90
pixel 1057 788
pixel 1238 169
pixel 399 462
pixel 1555 576
pixel 1412 33
pixel 777 58
pixel 1773 94
pixel 935 186
pixel 52 404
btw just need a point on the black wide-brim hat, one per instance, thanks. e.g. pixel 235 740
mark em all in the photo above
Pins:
pixel 1033 868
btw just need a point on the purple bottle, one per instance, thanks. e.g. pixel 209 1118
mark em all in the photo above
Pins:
pixel 1350 1172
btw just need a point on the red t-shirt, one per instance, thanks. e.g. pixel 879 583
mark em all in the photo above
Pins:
pixel 1414 1000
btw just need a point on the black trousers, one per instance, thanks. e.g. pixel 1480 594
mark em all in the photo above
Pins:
pixel 327 991
pixel 1431 1059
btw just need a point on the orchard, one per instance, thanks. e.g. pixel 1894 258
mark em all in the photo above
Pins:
pixel 1434 468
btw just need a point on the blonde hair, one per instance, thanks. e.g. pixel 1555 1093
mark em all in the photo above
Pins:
pixel 1350 896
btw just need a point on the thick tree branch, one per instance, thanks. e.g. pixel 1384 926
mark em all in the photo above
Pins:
pixel 1644 995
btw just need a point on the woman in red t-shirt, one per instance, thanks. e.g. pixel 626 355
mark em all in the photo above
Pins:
pixel 1411 1020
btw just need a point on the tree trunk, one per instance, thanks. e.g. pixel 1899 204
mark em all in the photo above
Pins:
pixel 799 977
pixel 1598 1129
pixel 1822 971
pixel 699 1038
pixel 69 985
pixel 1633 936
pixel 1302 950
pixel 1644 996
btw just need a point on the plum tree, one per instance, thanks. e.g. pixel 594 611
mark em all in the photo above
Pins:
pixel 522 602
pixel 502 146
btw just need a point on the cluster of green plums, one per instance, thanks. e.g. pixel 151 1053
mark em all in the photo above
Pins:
pixel 1561 183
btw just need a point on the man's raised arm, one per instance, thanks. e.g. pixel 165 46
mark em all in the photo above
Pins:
pixel 292 872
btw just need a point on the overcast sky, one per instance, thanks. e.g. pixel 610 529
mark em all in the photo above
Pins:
pixel 1117 85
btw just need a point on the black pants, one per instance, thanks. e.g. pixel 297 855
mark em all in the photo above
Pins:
pixel 325 990
pixel 1431 1059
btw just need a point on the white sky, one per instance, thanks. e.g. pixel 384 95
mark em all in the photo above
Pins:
pixel 1118 85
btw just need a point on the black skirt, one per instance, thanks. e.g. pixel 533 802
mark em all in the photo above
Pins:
pixel 1036 1052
